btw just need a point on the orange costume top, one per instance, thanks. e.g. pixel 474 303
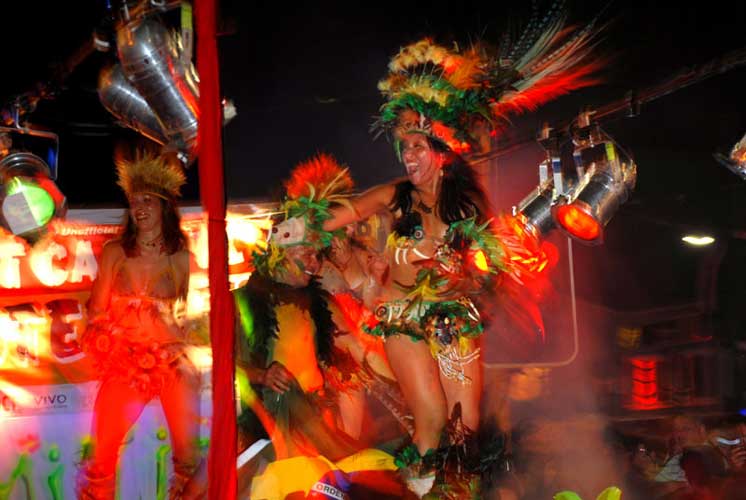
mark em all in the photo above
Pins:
pixel 138 338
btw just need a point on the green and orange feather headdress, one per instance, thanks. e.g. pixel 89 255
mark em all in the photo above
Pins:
pixel 441 91
pixel 313 187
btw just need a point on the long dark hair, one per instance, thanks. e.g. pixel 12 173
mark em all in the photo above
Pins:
pixel 461 196
pixel 173 237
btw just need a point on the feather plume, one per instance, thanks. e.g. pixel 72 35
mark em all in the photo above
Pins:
pixel 148 172
pixel 448 87
pixel 320 175
pixel 466 71
pixel 546 77
pixel 537 28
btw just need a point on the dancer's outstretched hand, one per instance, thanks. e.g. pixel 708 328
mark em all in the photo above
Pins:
pixel 277 377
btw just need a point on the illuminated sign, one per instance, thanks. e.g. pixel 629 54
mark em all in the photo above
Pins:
pixel 65 260
pixel 44 288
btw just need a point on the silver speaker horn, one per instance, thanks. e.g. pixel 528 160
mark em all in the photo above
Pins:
pixel 150 61
pixel 123 101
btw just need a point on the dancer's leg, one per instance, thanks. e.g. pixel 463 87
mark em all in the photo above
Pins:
pixel 467 394
pixel 180 401
pixel 117 407
pixel 417 374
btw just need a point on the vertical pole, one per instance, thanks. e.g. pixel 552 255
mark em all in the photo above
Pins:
pixel 222 454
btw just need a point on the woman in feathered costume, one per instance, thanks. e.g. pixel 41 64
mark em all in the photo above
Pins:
pixel 134 336
pixel 445 250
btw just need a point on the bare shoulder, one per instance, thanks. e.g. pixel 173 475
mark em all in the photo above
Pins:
pixel 181 260
pixel 111 255
pixel 112 251
pixel 384 191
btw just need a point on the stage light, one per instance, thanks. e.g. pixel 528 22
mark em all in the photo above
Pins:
pixel 583 202
pixel 698 241
pixel 30 198
pixel 578 222
pixel 736 160
pixel 535 211
pixel 40 203
pixel 598 196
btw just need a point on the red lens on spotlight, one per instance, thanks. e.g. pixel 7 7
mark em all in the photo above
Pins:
pixel 578 223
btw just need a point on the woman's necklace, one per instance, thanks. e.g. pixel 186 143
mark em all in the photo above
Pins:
pixel 421 204
pixel 154 243
pixel 424 208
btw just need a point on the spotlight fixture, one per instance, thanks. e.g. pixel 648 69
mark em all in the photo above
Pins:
pixel 582 204
pixel 603 188
pixel 29 198
pixel 736 161
pixel 535 211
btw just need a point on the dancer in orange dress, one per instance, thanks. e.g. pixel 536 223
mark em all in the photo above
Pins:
pixel 135 337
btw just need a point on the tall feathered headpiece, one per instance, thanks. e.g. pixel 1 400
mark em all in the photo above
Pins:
pixel 314 185
pixel 442 91
pixel 149 173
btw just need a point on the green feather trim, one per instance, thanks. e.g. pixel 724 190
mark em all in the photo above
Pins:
pixel 483 239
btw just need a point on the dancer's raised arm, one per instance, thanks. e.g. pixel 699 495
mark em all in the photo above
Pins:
pixel 361 207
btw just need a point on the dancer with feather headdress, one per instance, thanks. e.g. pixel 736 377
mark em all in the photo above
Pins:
pixel 286 349
pixel 445 252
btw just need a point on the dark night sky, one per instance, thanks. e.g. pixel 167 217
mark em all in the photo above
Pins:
pixel 303 78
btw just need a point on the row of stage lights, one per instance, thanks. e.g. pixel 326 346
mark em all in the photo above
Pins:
pixel 581 200
pixel 582 204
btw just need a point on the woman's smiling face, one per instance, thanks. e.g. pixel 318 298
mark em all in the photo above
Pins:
pixel 145 210
pixel 421 161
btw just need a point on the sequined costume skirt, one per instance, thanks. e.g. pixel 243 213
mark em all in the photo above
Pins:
pixel 148 367
pixel 448 327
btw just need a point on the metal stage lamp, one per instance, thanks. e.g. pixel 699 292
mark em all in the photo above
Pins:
pixel 595 201
pixel 736 161
pixel 30 198
pixel 582 204
pixel 535 211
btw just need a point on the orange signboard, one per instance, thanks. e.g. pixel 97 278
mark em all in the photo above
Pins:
pixel 44 289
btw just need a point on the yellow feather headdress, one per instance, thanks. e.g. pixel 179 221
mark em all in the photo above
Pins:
pixel 149 173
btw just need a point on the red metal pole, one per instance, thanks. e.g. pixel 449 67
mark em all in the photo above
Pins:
pixel 222 455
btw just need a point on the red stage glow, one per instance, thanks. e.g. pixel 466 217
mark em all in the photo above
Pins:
pixel 644 384
pixel 578 223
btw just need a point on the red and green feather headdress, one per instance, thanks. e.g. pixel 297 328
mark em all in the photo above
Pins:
pixel 441 91
pixel 313 187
